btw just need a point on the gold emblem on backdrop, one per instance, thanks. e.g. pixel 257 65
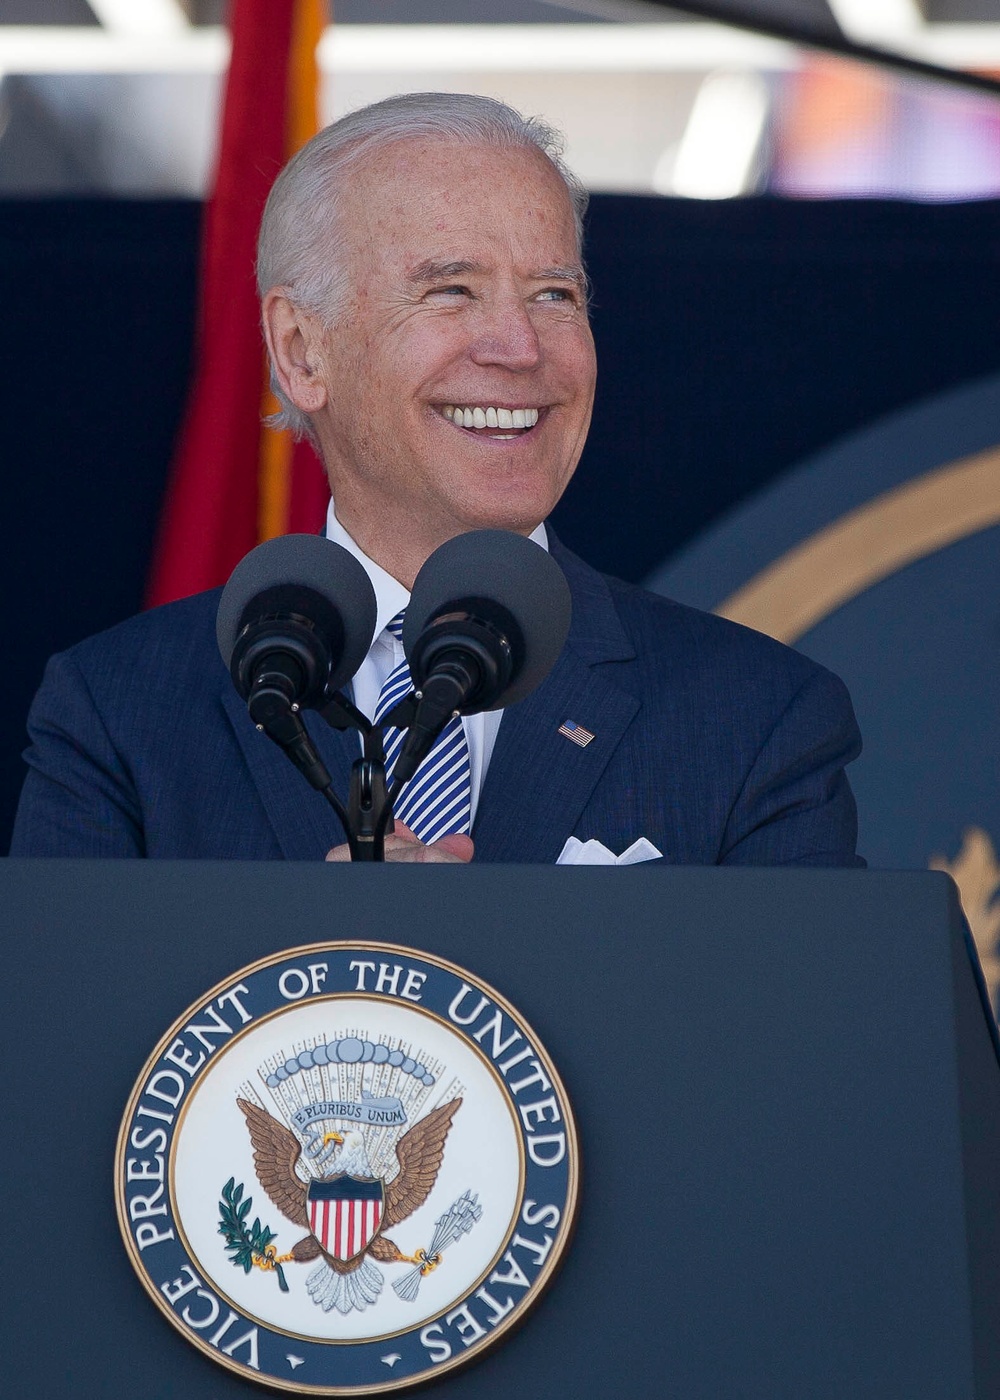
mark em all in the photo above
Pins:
pixel 797 591
pixel 976 872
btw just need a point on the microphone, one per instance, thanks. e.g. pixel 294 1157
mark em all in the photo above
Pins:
pixel 295 622
pixel 487 618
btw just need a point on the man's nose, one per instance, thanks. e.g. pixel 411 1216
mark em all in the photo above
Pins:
pixel 506 336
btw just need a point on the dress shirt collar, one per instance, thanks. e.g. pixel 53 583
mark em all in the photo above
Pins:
pixel 390 595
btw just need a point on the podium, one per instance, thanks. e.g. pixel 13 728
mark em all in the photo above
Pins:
pixel 786 1085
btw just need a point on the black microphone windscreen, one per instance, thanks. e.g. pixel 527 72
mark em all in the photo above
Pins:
pixel 506 570
pixel 304 568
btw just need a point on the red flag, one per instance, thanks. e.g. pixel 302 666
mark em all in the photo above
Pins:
pixel 234 482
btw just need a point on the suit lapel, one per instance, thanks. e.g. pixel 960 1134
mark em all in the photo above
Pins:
pixel 539 781
pixel 303 822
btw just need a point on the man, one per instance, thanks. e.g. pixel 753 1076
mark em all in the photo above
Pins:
pixel 425 309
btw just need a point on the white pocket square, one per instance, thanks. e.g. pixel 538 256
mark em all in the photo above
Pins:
pixel 577 852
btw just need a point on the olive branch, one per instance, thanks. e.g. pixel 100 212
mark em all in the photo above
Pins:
pixel 248 1245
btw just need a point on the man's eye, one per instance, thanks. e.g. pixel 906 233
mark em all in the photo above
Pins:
pixel 450 291
pixel 556 294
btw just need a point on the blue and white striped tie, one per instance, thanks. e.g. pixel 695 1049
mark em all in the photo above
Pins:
pixel 438 798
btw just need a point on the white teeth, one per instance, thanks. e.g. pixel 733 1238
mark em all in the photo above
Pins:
pixel 490 417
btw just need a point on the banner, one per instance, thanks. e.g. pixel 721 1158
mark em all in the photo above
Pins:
pixel 235 482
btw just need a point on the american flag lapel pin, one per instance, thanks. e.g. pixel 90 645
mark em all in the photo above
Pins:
pixel 576 733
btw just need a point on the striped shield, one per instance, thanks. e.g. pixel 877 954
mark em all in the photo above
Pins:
pixel 345 1213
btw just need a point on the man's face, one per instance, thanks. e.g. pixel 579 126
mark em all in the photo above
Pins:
pixel 459 377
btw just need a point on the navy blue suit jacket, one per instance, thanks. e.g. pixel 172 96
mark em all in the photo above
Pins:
pixel 714 742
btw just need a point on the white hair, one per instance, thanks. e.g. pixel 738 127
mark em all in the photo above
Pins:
pixel 301 246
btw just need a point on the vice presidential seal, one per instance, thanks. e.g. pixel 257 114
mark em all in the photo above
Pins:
pixel 347 1168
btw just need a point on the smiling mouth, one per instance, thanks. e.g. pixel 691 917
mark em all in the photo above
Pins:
pixel 497 422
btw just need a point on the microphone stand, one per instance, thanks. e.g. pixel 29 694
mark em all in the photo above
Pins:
pixel 274 709
pixel 367 818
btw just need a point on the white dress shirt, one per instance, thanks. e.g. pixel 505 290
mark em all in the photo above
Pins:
pixel 387 652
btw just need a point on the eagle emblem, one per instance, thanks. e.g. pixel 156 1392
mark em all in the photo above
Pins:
pixel 347 1210
pixel 349 1194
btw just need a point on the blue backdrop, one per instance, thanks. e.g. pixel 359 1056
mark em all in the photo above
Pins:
pixel 735 339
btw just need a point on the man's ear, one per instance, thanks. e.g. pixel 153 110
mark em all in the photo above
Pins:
pixel 292 337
